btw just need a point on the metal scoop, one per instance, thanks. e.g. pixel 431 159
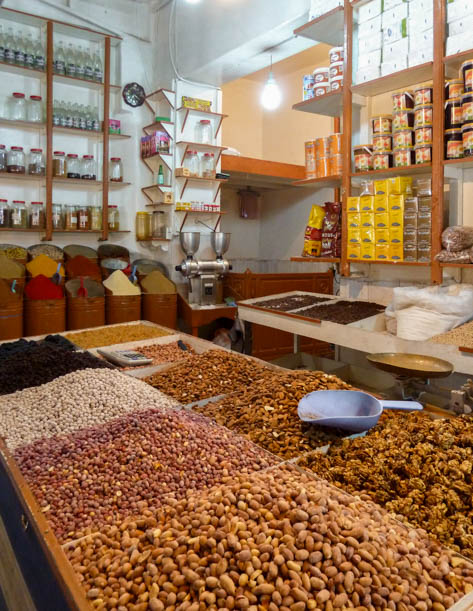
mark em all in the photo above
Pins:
pixel 350 410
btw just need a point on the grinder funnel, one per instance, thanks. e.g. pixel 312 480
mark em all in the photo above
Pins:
pixel 190 242
pixel 220 242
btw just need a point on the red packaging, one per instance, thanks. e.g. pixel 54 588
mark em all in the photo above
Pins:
pixel 331 230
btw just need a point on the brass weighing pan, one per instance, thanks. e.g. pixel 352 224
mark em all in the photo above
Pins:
pixel 411 365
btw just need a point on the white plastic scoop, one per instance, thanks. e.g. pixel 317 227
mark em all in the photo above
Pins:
pixel 350 410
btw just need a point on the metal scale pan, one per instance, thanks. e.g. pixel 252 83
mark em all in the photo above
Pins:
pixel 411 365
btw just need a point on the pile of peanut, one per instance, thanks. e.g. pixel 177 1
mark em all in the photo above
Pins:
pixel 266 412
pixel 419 468
pixel 105 473
pixel 77 400
pixel 164 353
pixel 278 540
pixel 211 374
pixel 114 334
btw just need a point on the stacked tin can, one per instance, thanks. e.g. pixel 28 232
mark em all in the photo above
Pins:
pixel 325 79
pixel 459 114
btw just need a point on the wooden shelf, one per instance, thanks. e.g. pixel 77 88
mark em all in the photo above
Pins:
pixel 200 211
pixel 463 163
pixel 21 70
pixel 208 148
pixel 87 133
pixel 161 95
pixel 88 184
pixel 153 192
pixel 89 231
pixel 21 177
pixel 391 82
pixel 421 168
pixel 459 265
pixel 158 126
pixel 78 82
pixel 327 28
pixel 374 262
pixel 23 125
pixel 217 116
pixel 329 105
pixel 155 240
pixel 455 61
pixel 198 179
pixel 320 183
pixel 260 174
pixel 316 259
pixel 28 230
pixel 158 159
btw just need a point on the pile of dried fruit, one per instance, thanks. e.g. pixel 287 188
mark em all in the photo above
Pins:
pixel 292 302
pixel 278 540
pixel 266 412
pixel 344 312
pixel 74 401
pixel 419 468
pixel 106 473
pixel 211 374
pixel 461 336
pixel 164 353
pixel 41 363
pixel 117 334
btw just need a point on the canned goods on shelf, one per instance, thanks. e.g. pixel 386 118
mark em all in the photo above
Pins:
pixel 321 89
pixel 423 153
pixel 336 83
pixel 335 144
pixel 336 54
pixel 466 70
pixel 363 154
pixel 423 95
pixel 336 69
pixel 403 119
pixel 467 138
pixel 335 165
pixel 403 100
pixel 382 124
pixel 424 135
pixel 403 137
pixel 404 156
pixel 454 88
pixel 382 142
pixel 467 107
pixel 321 74
pixel 382 160
pixel 454 113
pixel 322 148
pixel 453 144
pixel 423 115
pixel 322 167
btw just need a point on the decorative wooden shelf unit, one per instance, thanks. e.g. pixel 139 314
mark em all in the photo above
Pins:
pixel 321 183
pixel 330 104
pixel 205 148
pixel 199 180
pixel 327 29
pixel 260 174
pixel 217 117
pixel 153 192
pixel 158 159
pixel 397 80
pixel 421 168
pixel 405 263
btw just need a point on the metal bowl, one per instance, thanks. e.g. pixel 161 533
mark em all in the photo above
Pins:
pixel 411 365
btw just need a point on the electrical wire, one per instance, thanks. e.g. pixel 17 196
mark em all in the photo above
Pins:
pixel 173 51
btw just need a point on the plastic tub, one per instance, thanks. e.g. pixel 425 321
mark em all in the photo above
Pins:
pixel 454 113
pixel 403 119
pixel 403 100
pixel 467 107
pixel 382 160
pixel 120 309
pixel 160 309
pixel 467 137
pixel 363 154
pixel 404 157
pixel 423 153
pixel 85 312
pixel 44 316
pixel 382 142
pixel 423 95
pixel 424 115
pixel 336 54
pixel 404 137
pixel 382 124
pixel 454 89
pixel 321 75
pixel 453 144
pixel 466 70
pixel 321 88
pixel 424 135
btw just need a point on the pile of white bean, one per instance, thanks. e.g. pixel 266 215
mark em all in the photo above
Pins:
pixel 77 400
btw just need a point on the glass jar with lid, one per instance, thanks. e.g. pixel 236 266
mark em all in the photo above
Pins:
pixel 88 168
pixel 59 164
pixel 18 215
pixel 113 218
pixel 4 213
pixel 143 230
pixel 116 170
pixel 34 109
pixel 191 163
pixel 158 225
pixel 16 160
pixel 203 132
pixel 72 166
pixel 17 107
pixel 36 216
pixel 58 220
pixel 95 215
pixel 83 218
pixel 36 164
pixel 207 166
pixel 3 158
pixel 70 217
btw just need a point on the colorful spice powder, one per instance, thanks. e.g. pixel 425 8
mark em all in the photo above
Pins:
pixel 118 284
pixel 10 268
pixel 82 266
pixel 41 287
pixel 156 283
pixel 43 265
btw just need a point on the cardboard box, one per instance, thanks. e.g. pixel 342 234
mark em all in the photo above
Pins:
pixel 368 250
pixel 396 218
pixel 372 26
pixel 320 7
pixel 381 219
pixel 382 252
pixel 396 252
pixel 396 235
pixel 410 237
pixel 367 203
pixel 458 9
pixel 390 4
pixel 196 103
pixel 400 185
pixel 458 44
pixel 411 205
pixel 392 51
pixel 421 21
pixel 354 235
pixel 354 219
pixel 410 222
pixel 382 234
pixel 424 238
pixel 353 204
pixel 396 202
pixel 367 219
pixel 424 221
pixel 395 31
pixel 370 43
pixel 410 253
pixel 370 60
pixel 424 204
pixel 168 197
pixel 367 234
pixel 369 10
pixel 354 251
pixel 396 14
pixel 399 64
pixel 421 56
pixel 381 203
pixel 461 26
pixel 365 75
pixel 421 40
pixel 424 254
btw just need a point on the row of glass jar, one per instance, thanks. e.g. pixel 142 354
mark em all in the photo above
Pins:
pixel 203 166
pixel 18 108
pixel 15 161
pixel 152 225
pixel 18 215
pixel 71 166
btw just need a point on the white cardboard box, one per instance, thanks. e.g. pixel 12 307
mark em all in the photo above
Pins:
pixel 395 32
pixel 458 44
pixel 421 40
pixel 320 7
pixel 396 49
pixel 421 56
pixel 396 66
pixel 371 43
pixel 461 26
pixel 370 27
pixel 392 16
pixel 367 74
pixel 459 9
pixel 389 4
pixel 369 10
pixel 366 60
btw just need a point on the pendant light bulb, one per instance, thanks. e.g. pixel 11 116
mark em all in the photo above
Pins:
pixel 271 95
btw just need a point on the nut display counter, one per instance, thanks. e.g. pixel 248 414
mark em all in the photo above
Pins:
pixel 114 494
pixel 367 335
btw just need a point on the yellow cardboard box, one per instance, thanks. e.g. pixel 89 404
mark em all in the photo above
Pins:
pixel 368 250
pixel 381 203
pixel 354 219
pixel 396 218
pixel 367 234
pixel 381 219
pixel 382 252
pixel 396 202
pixel 367 203
pixel 354 251
pixel 391 186
pixel 367 219
pixel 396 235
pixel 354 235
pixel 353 204
pixel 382 234
pixel 396 252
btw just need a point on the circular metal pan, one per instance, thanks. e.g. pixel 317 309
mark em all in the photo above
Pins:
pixel 411 365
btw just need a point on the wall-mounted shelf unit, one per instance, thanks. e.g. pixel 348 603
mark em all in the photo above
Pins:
pixel 158 159
pixel 421 168
pixel 398 80
pixel 23 125
pixel 199 180
pixel 157 126
pixel 216 117
pixel 259 173
pixel 329 105
pixel 154 193
pixel 200 213
pixel 327 29
pixel 204 148
pixel 21 178
pixel 87 133
pixel 329 182
pixel 316 259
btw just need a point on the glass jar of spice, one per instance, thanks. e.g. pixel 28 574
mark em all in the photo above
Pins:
pixel 72 166
pixel 17 107
pixel 3 158
pixel 116 170
pixel 18 215
pixel 4 213
pixel 88 168
pixel 16 160
pixel 58 221
pixel 70 218
pixel 83 218
pixel 37 220
pixel 143 230
pixel 95 215
pixel 36 165
pixel 34 109
pixel 59 164
pixel 113 218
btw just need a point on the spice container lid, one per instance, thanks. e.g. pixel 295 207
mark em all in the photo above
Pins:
pixel 404 147
pixel 3 200
pixel 87 157
pixel 115 159
pixel 423 106
pixel 2 146
pixel 382 152
pixel 455 81
pixel 18 201
pixel 323 69
pixel 467 126
pixel 381 117
pixel 36 150
pixel 205 121
pixel 59 153
pixel 18 95
pixel 455 100
pixel 16 148
pixel 36 203
pixel 422 87
pixel 456 130
pixel 114 206
pixel 423 146
pixel 409 110
pixel 467 94
pixel 403 92
pixel 468 62
pixel 72 155
pixel 37 98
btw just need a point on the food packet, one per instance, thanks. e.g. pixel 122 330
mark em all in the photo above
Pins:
pixel 331 231
pixel 313 233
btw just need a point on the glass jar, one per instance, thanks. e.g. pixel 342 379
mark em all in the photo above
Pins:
pixel 36 165
pixel 113 218
pixel 17 107
pixel 72 166
pixel 16 160
pixel 37 219
pixel 95 216
pixel 88 168
pixel 59 164
pixel 83 222
pixel 70 217
pixel 203 132
pixel 191 163
pixel 18 215
pixel 4 213
pixel 34 109
pixel 158 225
pixel 58 220
pixel 207 166
pixel 116 170
pixel 143 231
pixel 3 158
